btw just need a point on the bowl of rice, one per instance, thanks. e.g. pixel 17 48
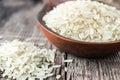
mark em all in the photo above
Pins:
pixel 83 28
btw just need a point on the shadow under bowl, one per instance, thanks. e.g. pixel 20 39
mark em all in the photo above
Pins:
pixel 78 48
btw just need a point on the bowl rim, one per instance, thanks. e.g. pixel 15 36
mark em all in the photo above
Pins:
pixel 68 39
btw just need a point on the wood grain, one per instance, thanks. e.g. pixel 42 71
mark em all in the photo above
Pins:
pixel 94 69
pixel 21 25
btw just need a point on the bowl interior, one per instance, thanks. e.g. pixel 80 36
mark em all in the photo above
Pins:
pixel 46 9
pixel 79 48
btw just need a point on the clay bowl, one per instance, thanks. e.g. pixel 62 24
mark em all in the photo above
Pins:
pixel 78 48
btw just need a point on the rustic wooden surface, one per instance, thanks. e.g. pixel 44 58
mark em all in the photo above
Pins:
pixel 18 21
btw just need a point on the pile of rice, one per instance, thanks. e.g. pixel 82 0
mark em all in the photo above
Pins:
pixel 89 21
pixel 22 60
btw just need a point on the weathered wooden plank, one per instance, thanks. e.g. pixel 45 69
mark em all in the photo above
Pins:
pixel 22 25
pixel 94 69
pixel 59 61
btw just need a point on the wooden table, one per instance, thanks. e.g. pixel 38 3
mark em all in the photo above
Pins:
pixel 18 21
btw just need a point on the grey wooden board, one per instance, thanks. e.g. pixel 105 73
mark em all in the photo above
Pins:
pixel 21 24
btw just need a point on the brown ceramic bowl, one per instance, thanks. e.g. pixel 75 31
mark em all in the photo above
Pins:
pixel 79 48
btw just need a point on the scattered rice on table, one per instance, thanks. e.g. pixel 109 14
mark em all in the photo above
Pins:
pixel 58 77
pixel 20 60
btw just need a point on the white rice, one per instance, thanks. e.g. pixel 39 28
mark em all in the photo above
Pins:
pixel 56 66
pixel 89 21
pixel 58 77
pixel 68 60
pixel 21 60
